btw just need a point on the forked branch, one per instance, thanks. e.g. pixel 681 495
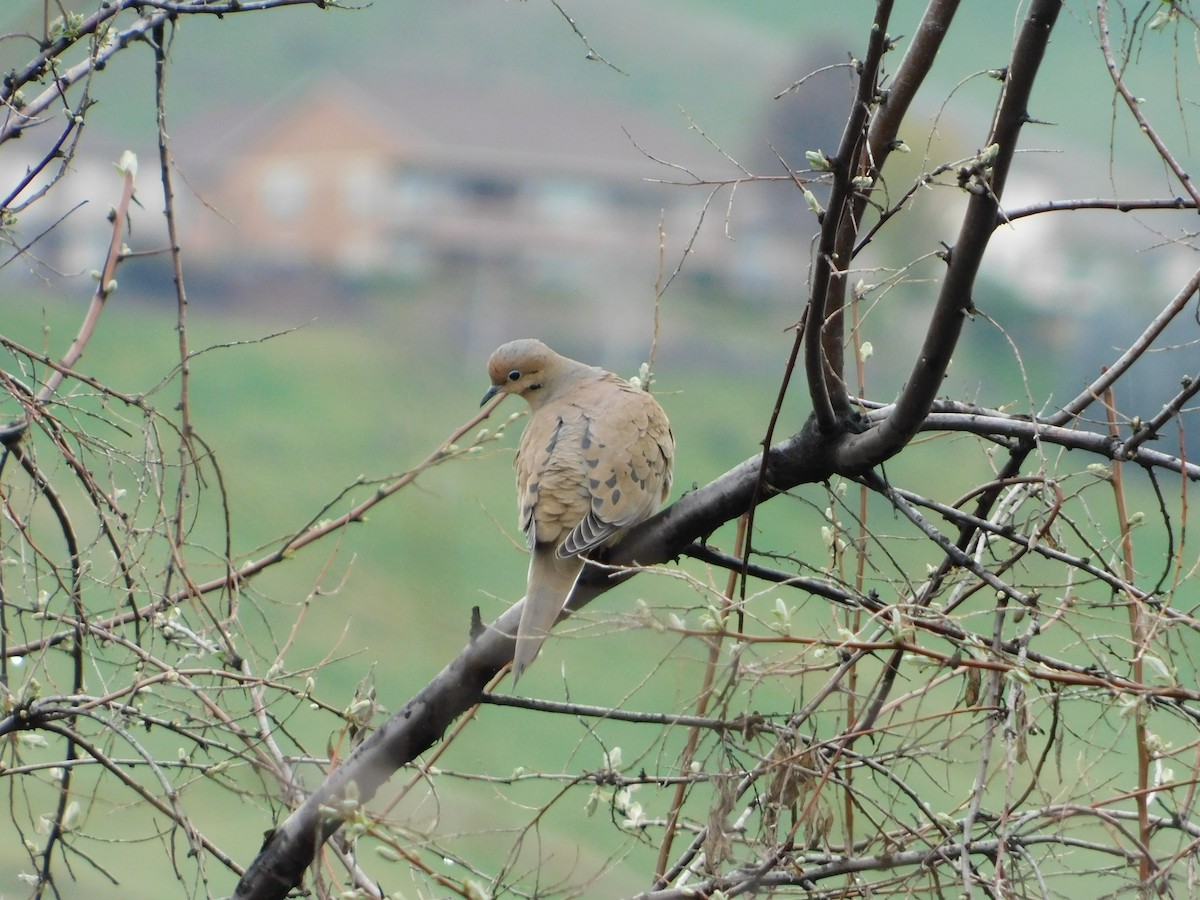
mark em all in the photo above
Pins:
pixel 984 179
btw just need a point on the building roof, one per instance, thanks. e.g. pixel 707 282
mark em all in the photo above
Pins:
pixel 457 125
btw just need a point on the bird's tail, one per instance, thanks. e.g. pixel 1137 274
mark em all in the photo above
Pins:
pixel 551 580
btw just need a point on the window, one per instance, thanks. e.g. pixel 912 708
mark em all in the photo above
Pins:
pixel 284 191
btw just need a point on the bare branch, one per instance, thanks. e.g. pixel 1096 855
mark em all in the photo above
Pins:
pixel 1121 365
pixel 985 183
pixel 1135 106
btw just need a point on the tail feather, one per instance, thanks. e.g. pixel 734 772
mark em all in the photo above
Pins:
pixel 551 581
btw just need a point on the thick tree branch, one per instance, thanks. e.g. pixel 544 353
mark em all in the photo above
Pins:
pixel 910 75
pixel 985 181
pixel 888 110
pixel 801 459
pixel 822 332
pixel 289 849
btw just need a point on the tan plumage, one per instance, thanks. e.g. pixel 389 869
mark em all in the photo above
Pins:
pixel 595 459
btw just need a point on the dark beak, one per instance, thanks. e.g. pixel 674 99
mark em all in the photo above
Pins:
pixel 491 392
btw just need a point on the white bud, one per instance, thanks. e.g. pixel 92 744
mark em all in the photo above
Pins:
pixel 818 160
pixel 128 164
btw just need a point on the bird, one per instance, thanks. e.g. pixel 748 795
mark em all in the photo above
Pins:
pixel 595 459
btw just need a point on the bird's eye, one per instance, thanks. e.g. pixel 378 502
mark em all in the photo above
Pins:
pixel 514 375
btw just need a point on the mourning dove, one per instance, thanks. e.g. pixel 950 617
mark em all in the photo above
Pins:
pixel 595 459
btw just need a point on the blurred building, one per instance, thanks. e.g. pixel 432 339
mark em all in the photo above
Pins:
pixel 415 179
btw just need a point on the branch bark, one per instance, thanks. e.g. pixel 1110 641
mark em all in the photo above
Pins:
pixel 822 331
pixel 864 156
pixel 289 849
pixel 985 181
pixel 804 458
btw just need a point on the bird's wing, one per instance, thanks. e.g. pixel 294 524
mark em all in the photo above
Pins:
pixel 627 453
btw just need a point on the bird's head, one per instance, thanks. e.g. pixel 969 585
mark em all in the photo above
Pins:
pixel 523 367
